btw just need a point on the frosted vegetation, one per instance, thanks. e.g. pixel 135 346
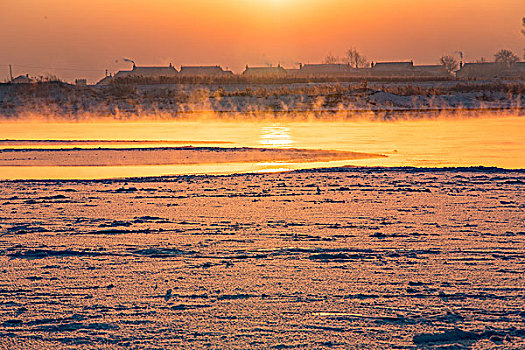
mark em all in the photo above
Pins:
pixel 129 100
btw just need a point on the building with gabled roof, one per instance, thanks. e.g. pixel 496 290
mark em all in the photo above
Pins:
pixel 147 72
pixel 391 66
pixel 108 79
pixel 204 71
pixel 391 69
pixel 479 70
pixel 432 70
pixel 265 71
pixel 22 79
pixel 488 70
pixel 327 69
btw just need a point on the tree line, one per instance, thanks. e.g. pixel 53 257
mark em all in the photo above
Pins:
pixel 355 59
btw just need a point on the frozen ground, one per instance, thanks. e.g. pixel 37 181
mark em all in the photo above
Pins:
pixel 341 258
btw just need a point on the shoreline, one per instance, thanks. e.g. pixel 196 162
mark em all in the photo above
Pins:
pixel 325 170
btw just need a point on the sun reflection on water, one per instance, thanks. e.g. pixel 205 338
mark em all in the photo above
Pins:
pixel 276 137
pixel 446 142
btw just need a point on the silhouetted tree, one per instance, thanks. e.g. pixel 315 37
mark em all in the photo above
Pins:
pixel 523 25
pixel 330 59
pixel 449 62
pixel 355 59
pixel 506 57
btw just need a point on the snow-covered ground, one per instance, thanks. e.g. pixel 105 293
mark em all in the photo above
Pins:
pixel 58 100
pixel 342 258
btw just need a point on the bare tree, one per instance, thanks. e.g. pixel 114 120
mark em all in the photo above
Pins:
pixel 48 77
pixel 449 62
pixel 355 59
pixel 506 57
pixel 330 59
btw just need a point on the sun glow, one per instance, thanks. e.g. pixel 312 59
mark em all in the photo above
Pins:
pixel 82 38
pixel 277 2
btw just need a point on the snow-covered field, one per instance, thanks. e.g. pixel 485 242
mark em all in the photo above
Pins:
pixel 342 258
pixel 167 101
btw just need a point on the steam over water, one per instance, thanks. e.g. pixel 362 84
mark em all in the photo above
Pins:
pixel 441 142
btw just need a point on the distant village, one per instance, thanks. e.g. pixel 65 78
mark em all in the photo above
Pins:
pixel 401 70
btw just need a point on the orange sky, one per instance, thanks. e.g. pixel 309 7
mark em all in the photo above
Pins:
pixel 80 38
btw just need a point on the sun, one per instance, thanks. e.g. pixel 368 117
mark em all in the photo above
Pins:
pixel 278 3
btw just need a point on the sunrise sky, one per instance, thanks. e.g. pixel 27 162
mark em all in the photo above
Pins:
pixel 82 38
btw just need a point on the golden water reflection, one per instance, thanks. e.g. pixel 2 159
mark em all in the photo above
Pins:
pixel 442 142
